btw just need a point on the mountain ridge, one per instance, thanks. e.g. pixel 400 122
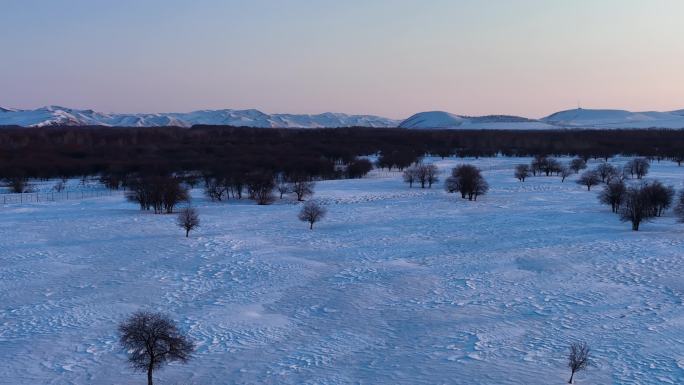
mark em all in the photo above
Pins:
pixel 575 118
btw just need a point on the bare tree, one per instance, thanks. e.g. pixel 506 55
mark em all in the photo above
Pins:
pixel 410 176
pixel 302 187
pixel 679 208
pixel 613 194
pixel 59 186
pixel 578 359
pixel 431 174
pixel 659 196
pixel 282 185
pixel 151 340
pixel 260 187
pixel 638 167
pixel 565 172
pixel 216 189
pixel 312 212
pixel 522 171
pixel 577 165
pixel 467 180
pixel 606 172
pixel 637 207
pixel 188 219
pixel 589 179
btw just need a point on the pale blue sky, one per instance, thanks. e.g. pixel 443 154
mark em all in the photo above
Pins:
pixel 385 57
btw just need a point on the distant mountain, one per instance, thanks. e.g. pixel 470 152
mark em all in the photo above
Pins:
pixel 616 119
pixel 445 120
pixel 56 115
pixel 576 118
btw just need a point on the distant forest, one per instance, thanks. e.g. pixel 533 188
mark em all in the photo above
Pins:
pixel 317 153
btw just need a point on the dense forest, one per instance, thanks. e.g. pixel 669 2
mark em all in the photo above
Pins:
pixel 316 153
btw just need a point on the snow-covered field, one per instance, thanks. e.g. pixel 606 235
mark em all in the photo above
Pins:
pixel 396 286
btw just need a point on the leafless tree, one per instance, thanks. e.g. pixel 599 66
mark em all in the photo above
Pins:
pixel 216 189
pixel 613 194
pixel 589 179
pixel 431 174
pixel 578 359
pixel 302 187
pixel 679 208
pixel 188 219
pixel 565 172
pixel 161 193
pixel 638 167
pixel 577 165
pixel 260 187
pixel 312 212
pixel 522 171
pixel 538 164
pixel 636 207
pixel 606 172
pixel 151 340
pixel 659 196
pixel 59 186
pixel 410 176
pixel 282 185
pixel 467 180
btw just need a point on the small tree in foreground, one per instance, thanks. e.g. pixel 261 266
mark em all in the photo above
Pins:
pixel 151 340
pixel 578 359
pixel 312 212
pixel 188 219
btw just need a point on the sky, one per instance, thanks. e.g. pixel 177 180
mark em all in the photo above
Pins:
pixel 385 57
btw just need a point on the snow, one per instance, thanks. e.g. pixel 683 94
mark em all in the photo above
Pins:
pixel 395 286
pixel 615 119
pixel 55 115
pixel 446 120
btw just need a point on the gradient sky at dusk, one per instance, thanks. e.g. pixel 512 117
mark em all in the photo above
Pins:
pixel 384 57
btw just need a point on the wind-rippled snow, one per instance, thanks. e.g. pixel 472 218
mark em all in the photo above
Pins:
pixel 395 286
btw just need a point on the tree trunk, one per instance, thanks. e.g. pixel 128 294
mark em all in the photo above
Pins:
pixel 187 233
pixel 149 375
pixel 571 376
pixel 311 225
pixel 635 226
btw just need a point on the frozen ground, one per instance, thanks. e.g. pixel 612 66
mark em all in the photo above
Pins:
pixel 396 286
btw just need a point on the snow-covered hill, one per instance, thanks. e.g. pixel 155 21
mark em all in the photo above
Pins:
pixel 55 115
pixel 441 119
pixel 616 119
pixel 576 118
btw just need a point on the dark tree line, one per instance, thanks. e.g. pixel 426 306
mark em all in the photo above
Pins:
pixel 116 153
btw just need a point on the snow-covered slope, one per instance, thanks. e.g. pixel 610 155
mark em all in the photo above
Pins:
pixel 616 119
pixel 441 119
pixel 576 118
pixel 55 115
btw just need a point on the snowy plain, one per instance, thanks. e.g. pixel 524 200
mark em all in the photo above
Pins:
pixel 395 286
